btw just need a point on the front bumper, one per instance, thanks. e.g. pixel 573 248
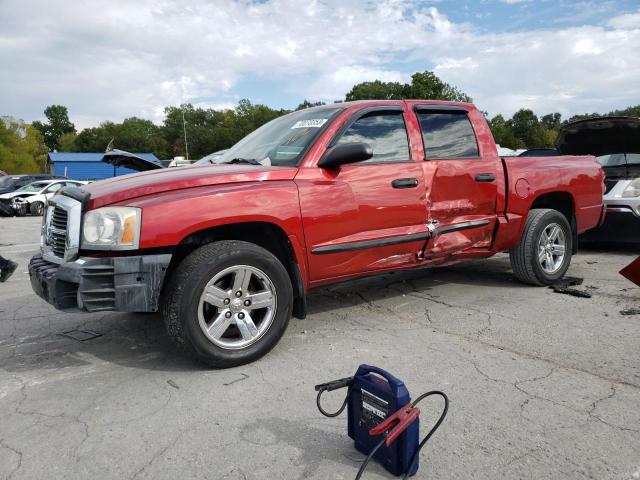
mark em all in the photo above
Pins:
pixel 124 284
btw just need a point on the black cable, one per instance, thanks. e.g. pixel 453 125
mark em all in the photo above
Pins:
pixel 416 454
pixel 370 456
pixel 335 414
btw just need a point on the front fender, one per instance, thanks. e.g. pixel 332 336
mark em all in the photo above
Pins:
pixel 169 217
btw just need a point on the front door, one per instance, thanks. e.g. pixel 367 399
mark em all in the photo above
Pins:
pixel 370 215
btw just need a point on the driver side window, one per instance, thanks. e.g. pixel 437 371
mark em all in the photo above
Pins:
pixel 385 132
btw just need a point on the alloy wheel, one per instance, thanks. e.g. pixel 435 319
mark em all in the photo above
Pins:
pixel 237 307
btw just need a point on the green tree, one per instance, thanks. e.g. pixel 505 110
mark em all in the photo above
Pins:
pixel 95 139
pixel 424 85
pixel 67 142
pixel 502 132
pixel 308 104
pixel 377 90
pixel 22 149
pixel 133 135
pixel 58 124
pixel 627 112
pixel 551 121
pixel 528 131
pixel 427 85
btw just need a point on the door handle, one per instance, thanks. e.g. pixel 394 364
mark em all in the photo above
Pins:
pixel 485 177
pixel 405 183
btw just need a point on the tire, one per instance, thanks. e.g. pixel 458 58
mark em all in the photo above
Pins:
pixel 198 327
pixel 36 208
pixel 534 259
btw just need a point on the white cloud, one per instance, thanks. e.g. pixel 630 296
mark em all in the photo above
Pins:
pixel 108 59
pixel 629 20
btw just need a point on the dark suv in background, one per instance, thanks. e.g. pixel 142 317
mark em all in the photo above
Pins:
pixel 9 183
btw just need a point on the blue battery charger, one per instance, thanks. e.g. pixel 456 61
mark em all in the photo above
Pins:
pixel 382 419
pixel 375 395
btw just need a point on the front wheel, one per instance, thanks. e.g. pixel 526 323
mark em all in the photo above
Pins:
pixel 228 303
pixel 36 208
pixel 543 254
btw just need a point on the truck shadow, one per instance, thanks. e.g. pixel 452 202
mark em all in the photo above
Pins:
pixel 37 341
pixel 493 273
pixel 131 340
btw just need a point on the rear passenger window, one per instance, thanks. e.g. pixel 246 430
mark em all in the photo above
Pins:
pixel 385 132
pixel 447 135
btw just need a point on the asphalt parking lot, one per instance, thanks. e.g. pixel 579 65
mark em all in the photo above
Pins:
pixel 542 385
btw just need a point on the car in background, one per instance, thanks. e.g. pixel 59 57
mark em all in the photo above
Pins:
pixel 9 183
pixel 615 141
pixel 33 197
pixel 622 198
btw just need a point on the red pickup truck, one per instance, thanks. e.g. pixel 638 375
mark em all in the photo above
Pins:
pixel 228 251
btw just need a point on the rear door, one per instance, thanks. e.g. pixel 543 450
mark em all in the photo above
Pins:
pixel 370 215
pixel 461 180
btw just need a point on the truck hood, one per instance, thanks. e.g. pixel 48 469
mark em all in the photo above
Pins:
pixel 120 158
pixel 125 187
pixel 600 136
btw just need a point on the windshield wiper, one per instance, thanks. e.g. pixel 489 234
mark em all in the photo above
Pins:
pixel 250 161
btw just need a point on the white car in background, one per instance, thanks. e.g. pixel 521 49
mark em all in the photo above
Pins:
pixel 33 197
pixel 615 141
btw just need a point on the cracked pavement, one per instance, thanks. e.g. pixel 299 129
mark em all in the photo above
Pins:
pixel 542 385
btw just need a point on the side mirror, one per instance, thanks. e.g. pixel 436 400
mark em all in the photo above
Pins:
pixel 344 153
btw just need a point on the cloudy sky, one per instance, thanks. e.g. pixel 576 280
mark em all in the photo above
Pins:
pixel 110 59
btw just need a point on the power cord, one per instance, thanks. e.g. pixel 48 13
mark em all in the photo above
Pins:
pixel 416 454
pixel 370 456
pixel 340 410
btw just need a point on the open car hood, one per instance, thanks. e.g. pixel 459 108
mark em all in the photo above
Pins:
pixel 120 158
pixel 600 136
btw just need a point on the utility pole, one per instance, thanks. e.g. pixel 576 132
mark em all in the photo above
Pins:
pixel 184 129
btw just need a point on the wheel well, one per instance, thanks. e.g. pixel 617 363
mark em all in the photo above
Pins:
pixel 264 234
pixel 563 202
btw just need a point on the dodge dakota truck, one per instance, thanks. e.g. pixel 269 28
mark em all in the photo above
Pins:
pixel 227 252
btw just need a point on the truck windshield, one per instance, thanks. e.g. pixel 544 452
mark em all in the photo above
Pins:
pixel 282 141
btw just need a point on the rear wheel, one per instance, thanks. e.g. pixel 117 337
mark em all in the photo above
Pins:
pixel 228 303
pixel 36 208
pixel 543 254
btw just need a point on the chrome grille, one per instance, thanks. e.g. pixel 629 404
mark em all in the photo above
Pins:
pixel 59 218
pixel 58 231
pixel 61 229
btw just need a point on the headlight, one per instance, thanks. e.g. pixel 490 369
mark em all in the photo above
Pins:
pixel 633 189
pixel 112 228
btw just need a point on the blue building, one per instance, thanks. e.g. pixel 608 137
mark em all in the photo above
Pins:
pixel 88 166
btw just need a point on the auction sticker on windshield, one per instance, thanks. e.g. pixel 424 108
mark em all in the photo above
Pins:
pixel 311 123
